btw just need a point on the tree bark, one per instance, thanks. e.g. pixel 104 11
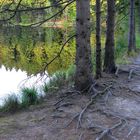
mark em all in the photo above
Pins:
pixel 131 37
pixel 109 61
pixel 83 75
pixel 98 39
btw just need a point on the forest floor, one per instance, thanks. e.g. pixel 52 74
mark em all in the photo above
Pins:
pixel 113 114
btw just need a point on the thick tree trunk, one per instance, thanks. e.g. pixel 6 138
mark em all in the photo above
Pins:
pixel 83 76
pixel 109 61
pixel 98 40
pixel 131 37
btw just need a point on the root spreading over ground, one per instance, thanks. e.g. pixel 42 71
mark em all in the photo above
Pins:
pixel 110 110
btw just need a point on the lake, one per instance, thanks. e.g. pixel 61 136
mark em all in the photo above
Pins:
pixel 24 53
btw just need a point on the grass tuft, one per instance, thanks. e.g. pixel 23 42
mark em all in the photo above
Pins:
pixel 29 96
pixel 60 79
pixel 11 104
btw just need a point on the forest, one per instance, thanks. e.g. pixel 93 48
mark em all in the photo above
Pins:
pixel 70 69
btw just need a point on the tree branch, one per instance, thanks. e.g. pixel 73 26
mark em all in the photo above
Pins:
pixel 59 53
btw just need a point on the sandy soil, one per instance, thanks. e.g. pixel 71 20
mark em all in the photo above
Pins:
pixel 113 115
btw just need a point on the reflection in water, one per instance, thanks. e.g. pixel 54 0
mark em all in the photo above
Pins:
pixel 11 81
pixel 25 51
pixel 29 49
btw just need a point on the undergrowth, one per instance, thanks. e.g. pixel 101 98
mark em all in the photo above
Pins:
pixel 60 79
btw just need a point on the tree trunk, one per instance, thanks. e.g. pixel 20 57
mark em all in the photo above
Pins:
pixel 98 39
pixel 83 75
pixel 131 37
pixel 109 61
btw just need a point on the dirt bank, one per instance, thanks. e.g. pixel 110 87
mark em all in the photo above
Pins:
pixel 68 115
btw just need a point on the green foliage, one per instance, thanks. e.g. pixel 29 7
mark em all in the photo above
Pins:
pixel 121 55
pixel 137 40
pixel 121 42
pixel 71 73
pixel 56 81
pixel 33 52
pixel 132 53
pixel 11 104
pixel 29 96
pixel 60 79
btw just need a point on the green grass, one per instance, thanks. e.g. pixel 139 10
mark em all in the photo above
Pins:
pixel 71 73
pixel 56 81
pixel 29 97
pixel 60 79
pixel 121 49
pixel 11 104
pixel 121 56
pixel 138 40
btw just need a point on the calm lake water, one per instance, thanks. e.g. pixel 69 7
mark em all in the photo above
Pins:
pixel 24 53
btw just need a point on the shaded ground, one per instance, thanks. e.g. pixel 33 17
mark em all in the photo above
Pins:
pixel 113 115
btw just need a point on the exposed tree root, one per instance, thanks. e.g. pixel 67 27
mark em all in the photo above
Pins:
pixel 82 112
pixel 73 118
pixel 130 74
pixel 81 135
pixel 132 70
pixel 106 133
pixel 93 97
pixel 68 94
pixel 132 129
pixel 102 131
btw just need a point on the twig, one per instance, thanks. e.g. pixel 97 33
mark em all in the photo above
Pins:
pixel 15 12
pixel 28 9
pixel 59 53
pixel 51 17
